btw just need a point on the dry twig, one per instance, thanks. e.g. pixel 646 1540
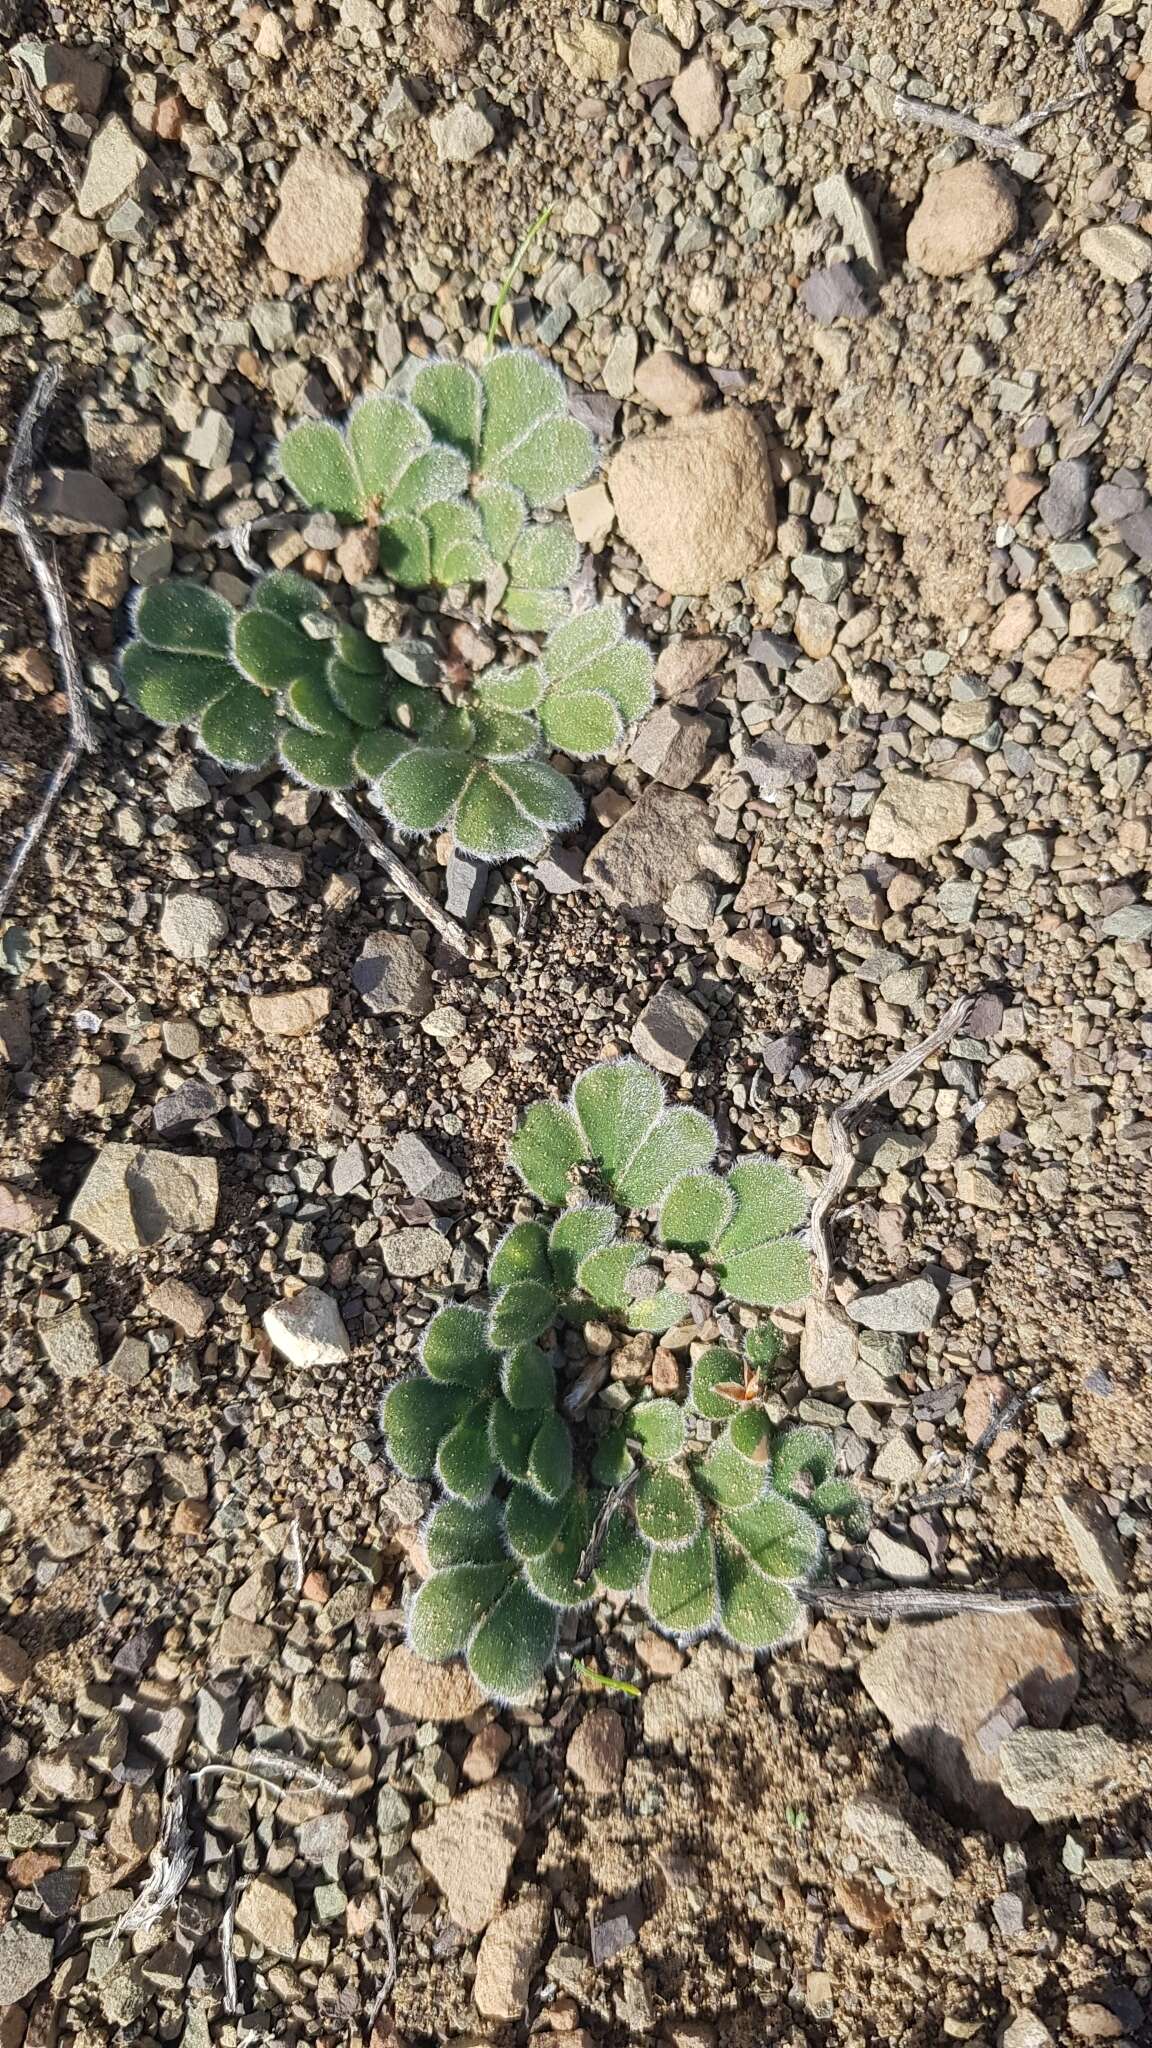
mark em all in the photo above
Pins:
pixel 909 1603
pixel 1001 141
pixel 390 1968
pixel 16 519
pixel 1141 326
pixel 453 934
pixel 173 1861
pixel 843 1120
pixel 612 1501
pixel 228 1947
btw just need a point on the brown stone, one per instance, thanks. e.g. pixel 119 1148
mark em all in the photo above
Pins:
pixel 321 224
pixel 469 1848
pixel 429 1692
pixel 642 859
pixel 696 500
pixel 965 214
pixel 509 1954
pixel 596 1752
pixel 291 1013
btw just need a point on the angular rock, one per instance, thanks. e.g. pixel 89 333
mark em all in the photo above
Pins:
pixel 685 664
pixel 1093 1537
pixel 321 223
pixel 135 1196
pixel 668 1029
pixel 1069 15
pixel 509 1954
pixel 428 1692
pixel 596 1752
pixel 465 881
pixel 194 1102
pixel 1066 505
pixel 909 1306
pixel 835 293
pixel 1027 2031
pixel 1057 1774
pixel 76 501
pixel 965 215
pixel 837 200
pixel 828 1345
pixel 192 927
pixel 779 764
pixel 266 1913
pixel 71 1345
pixel 675 388
pixel 25 1962
pixel 69 82
pixel 913 816
pixel 308 1328
pixel 695 1696
pixel 943 1687
pixel 469 1849
pixel 23 1211
pixel 393 977
pixel 271 867
pixel 115 169
pixel 461 134
pixel 181 1305
pixel 594 53
pixel 15 1665
pixel 895 1845
pixel 413 1253
pixel 672 746
pixel 423 1172
pixel 640 860
pixel 651 56
pixel 291 1012
pixel 696 500
pixel 698 95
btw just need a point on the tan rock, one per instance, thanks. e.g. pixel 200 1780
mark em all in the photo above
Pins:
pixel 675 388
pixel 596 1752
pixel 1068 15
pixel 135 1196
pixel 594 53
pixel 469 1849
pixel 696 500
pixel 1057 1773
pixel 914 815
pixel 699 97
pixel 592 516
pixel 291 1013
pixel 640 861
pixel 965 214
pixel 321 224
pixel 1118 251
pixel 1066 675
pixel 267 1915
pixel 893 1843
pixel 15 1665
pixel 509 1954
pixel 948 1690
pixel 429 1692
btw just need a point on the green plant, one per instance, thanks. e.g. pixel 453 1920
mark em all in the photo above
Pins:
pixel 694 1505
pixel 447 476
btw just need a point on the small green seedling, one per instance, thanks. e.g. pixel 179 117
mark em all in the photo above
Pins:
pixel 696 1506
pixel 447 475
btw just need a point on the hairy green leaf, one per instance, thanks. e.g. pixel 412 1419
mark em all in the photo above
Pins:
pixel 309 703
pixel 503 511
pixel 315 460
pixel 174 689
pixel 552 1574
pixel 617 1104
pixel 465 1466
pixel 240 728
pixel 581 726
pixel 321 762
pixel 421 788
pixel 713 1369
pixel 660 1312
pixel 666 1508
pixel 513 1646
pixel 511 689
pixel 458 551
pixel 361 694
pixel 449 1605
pixel 659 1426
pixel 755 1612
pixel 604 1274
pixel 550 1462
pixel 623 1555
pixel 574 1236
pixel 696 1211
pixel 544 558
pixel 405 549
pixel 534 611
pixel 455 1349
pixel 528 1379
pixel 415 1415
pixel 781 1540
pixel 727 1478
pixel 511 1435
pixel 459 1533
pixel 756 1260
pixel 680 1593
pixel 531 1522
pixel 386 437
pixel 681 1140
pixel 547 1145
pixel 450 397
pixel 750 1434
pixel 185 618
pixel 805 1456
pixel 522 1254
pixel 521 1313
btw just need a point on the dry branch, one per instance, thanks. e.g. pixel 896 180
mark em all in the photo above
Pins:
pixel 1000 141
pixel 843 1120
pixel 1120 361
pixel 453 934
pixel 910 1603
pixel 16 519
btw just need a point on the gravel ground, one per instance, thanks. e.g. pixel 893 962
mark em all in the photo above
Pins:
pixel 906 757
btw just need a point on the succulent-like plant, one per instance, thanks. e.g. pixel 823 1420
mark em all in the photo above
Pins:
pixel 447 476
pixel 695 1505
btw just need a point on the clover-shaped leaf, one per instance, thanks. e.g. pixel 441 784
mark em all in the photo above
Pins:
pixel 756 1612
pixel 618 1121
pixel 451 1604
pixel 596 682
pixel 385 468
pixel 512 1647
pixel 181 669
pixel 510 421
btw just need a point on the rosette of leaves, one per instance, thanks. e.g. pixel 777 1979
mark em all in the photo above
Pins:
pixel 476 768
pixel 617 1132
pixel 280 678
pixel 699 1508
pixel 447 473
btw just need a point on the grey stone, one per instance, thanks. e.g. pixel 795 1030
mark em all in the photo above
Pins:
pixel 392 976
pixel 308 1329
pixel 192 1103
pixel 1057 1774
pixel 71 1345
pixel 1093 1537
pixel 835 293
pixel 668 1029
pixel 465 883
pixel 413 1253
pixel 1066 505
pixel 209 444
pixel 640 860
pixel 349 1169
pixel 828 1345
pixel 462 134
pixel 25 1962
pixel 76 501
pixel 671 745
pixel 423 1172
pixel 192 927
pixel 908 1306
pixel 1133 922
pixel 135 1196
pixel 1135 530
pixel 837 200
pixel 271 867
pixel 115 168
pixel 778 764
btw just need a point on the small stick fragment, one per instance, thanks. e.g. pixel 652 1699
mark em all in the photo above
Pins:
pixel 228 1948
pixel 453 934
pixel 16 519
pixel 173 1861
pixel 842 1121
pixel 1120 361
pixel 1001 141
pixel 903 1603
pixel 389 1978
pixel 595 1543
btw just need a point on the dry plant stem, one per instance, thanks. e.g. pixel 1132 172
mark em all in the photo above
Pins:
pixel 228 1948
pixel 173 1861
pixel 842 1121
pixel 595 1543
pixel 910 1603
pixel 1001 141
pixel 16 519
pixel 391 1964
pixel 453 934
pixel 1120 361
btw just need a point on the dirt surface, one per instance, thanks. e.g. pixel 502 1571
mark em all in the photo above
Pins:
pixel 203 1554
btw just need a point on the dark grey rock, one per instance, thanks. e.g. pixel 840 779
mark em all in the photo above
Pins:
pixel 1136 533
pixel 778 764
pixel 190 1104
pixel 1067 503
pixel 466 881
pixel 835 294
pixel 423 1172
